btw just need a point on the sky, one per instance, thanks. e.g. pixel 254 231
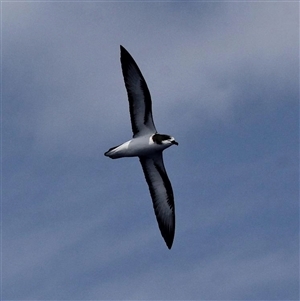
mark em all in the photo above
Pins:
pixel 224 81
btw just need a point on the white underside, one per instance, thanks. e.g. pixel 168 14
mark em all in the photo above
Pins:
pixel 137 147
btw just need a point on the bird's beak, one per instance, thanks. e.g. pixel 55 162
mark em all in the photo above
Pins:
pixel 174 142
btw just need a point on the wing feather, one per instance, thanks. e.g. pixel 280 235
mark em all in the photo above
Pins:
pixel 140 105
pixel 162 195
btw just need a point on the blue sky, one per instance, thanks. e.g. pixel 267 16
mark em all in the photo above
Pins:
pixel 224 80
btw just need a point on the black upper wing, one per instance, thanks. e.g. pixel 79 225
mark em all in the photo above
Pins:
pixel 140 105
pixel 162 195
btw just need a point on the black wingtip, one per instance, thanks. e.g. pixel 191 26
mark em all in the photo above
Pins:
pixel 169 241
pixel 123 50
pixel 169 245
pixel 168 235
pixel 125 56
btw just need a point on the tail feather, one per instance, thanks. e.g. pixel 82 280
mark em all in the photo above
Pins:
pixel 110 153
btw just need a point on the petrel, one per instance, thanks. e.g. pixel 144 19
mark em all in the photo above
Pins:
pixel 148 145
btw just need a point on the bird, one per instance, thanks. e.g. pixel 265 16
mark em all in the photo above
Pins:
pixel 147 145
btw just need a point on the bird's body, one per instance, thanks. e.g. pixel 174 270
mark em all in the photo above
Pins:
pixel 148 145
pixel 136 147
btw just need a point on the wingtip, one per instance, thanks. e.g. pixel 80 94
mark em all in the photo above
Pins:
pixel 169 246
pixel 169 242
pixel 124 54
pixel 168 237
pixel 123 50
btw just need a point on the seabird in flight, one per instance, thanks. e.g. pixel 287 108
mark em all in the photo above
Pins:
pixel 148 145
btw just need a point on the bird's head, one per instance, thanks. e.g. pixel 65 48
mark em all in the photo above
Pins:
pixel 163 139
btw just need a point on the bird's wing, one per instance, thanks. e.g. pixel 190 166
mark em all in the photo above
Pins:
pixel 162 195
pixel 140 105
